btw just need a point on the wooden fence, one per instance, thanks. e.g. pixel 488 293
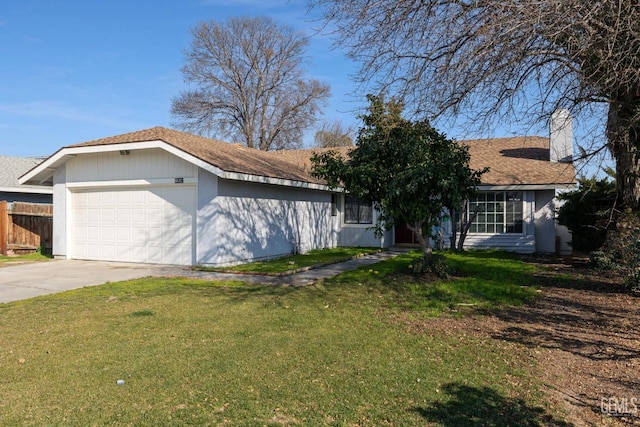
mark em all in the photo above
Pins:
pixel 25 227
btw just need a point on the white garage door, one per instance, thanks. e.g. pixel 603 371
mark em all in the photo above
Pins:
pixel 148 225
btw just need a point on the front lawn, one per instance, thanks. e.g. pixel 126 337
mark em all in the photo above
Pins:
pixel 194 352
pixel 478 280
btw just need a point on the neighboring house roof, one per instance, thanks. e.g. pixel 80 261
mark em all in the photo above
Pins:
pixel 513 161
pixel 11 168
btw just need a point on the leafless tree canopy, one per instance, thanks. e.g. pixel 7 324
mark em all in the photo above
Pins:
pixel 250 86
pixel 334 134
pixel 499 59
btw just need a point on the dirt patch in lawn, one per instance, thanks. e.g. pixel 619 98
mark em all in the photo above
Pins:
pixel 584 333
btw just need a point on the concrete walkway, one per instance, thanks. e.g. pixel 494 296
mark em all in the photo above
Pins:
pixel 23 281
pixel 304 278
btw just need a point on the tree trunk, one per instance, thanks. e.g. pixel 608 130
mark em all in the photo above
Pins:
pixel 454 228
pixel 465 223
pixel 624 143
pixel 461 228
pixel 425 244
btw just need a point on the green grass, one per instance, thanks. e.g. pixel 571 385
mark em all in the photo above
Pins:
pixel 482 280
pixel 36 256
pixel 204 353
pixel 294 262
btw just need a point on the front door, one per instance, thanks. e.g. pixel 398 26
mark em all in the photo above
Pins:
pixel 404 236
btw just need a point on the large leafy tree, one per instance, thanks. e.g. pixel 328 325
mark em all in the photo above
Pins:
pixel 408 170
pixel 588 211
pixel 496 59
pixel 249 84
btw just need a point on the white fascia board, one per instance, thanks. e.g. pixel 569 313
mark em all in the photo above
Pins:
pixel 27 189
pixel 236 176
pixel 525 187
pixel 44 170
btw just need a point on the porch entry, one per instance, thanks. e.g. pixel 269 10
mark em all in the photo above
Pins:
pixel 404 236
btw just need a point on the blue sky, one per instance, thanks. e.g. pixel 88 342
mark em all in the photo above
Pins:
pixel 73 71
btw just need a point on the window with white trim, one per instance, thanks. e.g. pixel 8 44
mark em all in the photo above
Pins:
pixel 356 211
pixel 499 212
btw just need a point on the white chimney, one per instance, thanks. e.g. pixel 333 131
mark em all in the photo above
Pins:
pixel 561 136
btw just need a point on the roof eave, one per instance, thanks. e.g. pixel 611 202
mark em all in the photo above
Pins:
pixel 43 173
pixel 526 187
pixel 27 189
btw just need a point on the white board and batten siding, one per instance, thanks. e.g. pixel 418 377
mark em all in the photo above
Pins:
pixel 138 207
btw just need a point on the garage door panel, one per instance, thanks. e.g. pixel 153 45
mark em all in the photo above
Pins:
pixel 150 225
pixel 139 235
pixel 124 252
pixel 154 216
pixel 138 215
pixel 123 197
pixel 94 233
pixel 93 251
pixel 109 251
pixel 109 197
pixel 93 214
pixel 109 233
pixel 108 215
pixel 123 215
pixel 123 234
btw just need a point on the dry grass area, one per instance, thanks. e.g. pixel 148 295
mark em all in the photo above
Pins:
pixel 584 334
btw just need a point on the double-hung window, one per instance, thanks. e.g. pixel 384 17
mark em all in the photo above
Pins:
pixel 498 212
pixel 356 211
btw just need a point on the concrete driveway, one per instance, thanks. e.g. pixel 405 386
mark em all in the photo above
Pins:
pixel 22 281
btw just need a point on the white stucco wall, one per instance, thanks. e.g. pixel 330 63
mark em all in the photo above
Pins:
pixel 361 234
pixel 562 232
pixel 545 222
pixel 60 208
pixel 242 221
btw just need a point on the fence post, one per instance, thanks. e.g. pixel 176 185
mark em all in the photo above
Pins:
pixel 4 227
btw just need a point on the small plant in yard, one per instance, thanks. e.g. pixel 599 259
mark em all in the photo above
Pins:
pixel 621 251
pixel 437 266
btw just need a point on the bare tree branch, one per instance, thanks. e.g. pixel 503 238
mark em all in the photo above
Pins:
pixel 495 60
pixel 334 134
pixel 250 84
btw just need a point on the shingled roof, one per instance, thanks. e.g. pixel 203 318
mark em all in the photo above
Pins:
pixel 518 161
pixel 292 165
pixel 11 168
pixel 511 161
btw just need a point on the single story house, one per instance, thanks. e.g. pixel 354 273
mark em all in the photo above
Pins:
pixel 11 168
pixel 163 196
